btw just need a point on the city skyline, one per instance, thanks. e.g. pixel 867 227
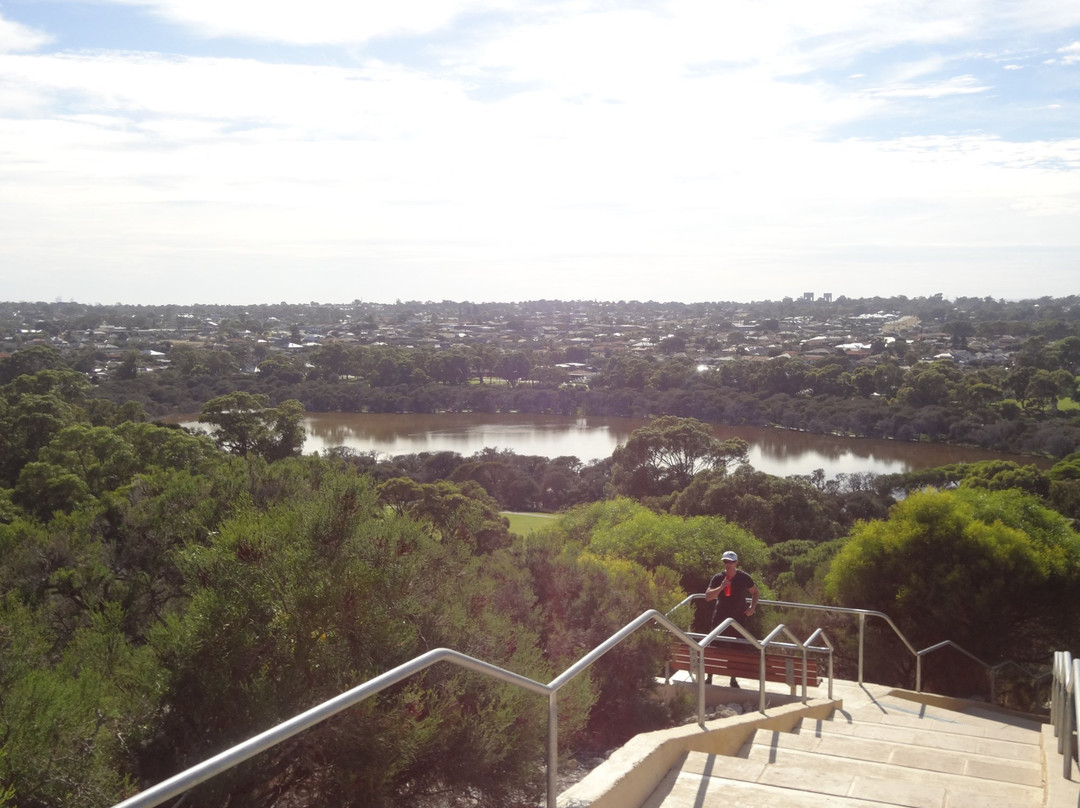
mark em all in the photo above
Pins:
pixel 158 151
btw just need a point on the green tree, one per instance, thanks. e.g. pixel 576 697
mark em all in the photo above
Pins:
pixel 69 722
pixel 1043 390
pixel 1065 485
pixel 932 385
pixel 960 331
pixel 463 512
pixel 690 547
pixel 245 424
pixel 299 603
pixel 282 367
pixel 587 594
pixel 129 366
pixel 513 367
pixel 773 508
pixel 993 571
pixel 44 489
pixel 30 361
pixel 664 456
pixel 33 409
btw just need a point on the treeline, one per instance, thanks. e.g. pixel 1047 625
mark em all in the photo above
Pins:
pixel 1027 408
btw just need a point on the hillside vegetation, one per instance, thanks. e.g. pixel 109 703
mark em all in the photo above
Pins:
pixel 164 595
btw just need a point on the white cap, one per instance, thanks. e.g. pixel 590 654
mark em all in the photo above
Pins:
pixel 729 555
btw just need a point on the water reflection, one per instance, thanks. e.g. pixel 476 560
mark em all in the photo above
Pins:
pixel 775 451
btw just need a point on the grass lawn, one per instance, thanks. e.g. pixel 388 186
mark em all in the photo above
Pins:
pixel 525 523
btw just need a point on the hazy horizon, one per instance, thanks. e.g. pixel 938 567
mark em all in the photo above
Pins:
pixel 660 301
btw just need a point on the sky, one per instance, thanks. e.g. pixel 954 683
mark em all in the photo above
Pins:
pixel 257 151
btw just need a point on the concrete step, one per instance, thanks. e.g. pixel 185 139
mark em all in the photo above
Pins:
pixel 694 783
pixel 808 780
pixel 890 752
pixel 1003 742
pixel 974 721
pixel 942 752
pixel 907 783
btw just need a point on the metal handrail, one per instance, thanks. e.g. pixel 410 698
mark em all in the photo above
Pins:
pixel 187 779
pixel 862 614
pixel 762 646
pixel 810 643
pixel 1065 706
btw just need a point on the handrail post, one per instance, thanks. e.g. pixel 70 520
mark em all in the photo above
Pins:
pixel 761 680
pixel 830 671
pixel 1062 675
pixel 1055 695
pixel 1065 738
pixel 553 749
pixel 862 644
pixel 805 663
pixel 1072 714
pixel 698 655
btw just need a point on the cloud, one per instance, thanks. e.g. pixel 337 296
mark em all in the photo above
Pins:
pixel 1071 53
pixel 958 85
pixel 555 146
pixel 18 38
pixel 315 22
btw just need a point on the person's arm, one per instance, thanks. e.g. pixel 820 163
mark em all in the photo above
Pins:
pixel 714 591
pixel 754 595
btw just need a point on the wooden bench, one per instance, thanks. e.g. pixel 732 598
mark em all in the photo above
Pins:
pixel 744 662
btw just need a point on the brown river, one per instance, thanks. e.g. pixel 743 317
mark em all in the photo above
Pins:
pixel 775 451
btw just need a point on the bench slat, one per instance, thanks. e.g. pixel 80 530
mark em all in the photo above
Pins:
pixel 745 664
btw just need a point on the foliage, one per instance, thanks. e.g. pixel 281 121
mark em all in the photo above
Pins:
pixel 688 548
pixel 302 602
pixel 583 599
pixel 994 571
pixel 663 457
pixel 245 423
pixel 465 513
pixel 160 599
pixel 71 722
pixel 175 600
pixel 773 508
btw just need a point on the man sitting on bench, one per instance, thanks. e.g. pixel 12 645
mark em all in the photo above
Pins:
pixel 729 589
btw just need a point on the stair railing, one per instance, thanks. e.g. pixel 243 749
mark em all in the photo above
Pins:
pixel 863 614
pixel 762 646
pixel 185 780
pixel 1065 706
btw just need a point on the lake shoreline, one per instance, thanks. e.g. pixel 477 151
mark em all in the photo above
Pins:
pixel 776 450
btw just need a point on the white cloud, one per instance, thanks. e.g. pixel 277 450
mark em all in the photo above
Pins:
pixel 18 38
pixel 1071 53
pixel 958 85
pixel 314 22
pixel 576 143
